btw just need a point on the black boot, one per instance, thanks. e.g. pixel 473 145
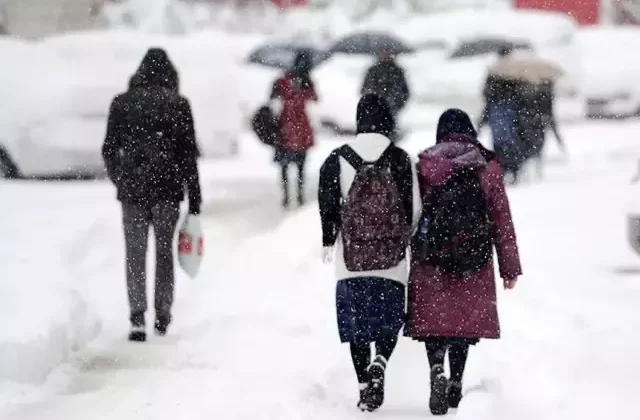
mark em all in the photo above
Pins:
pixel 137 332
pixel 375 394
pixel 454 394
pixel 438 403
pixel 162 323
pixel 362 403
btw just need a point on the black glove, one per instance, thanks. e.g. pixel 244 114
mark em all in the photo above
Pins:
pixel 194 208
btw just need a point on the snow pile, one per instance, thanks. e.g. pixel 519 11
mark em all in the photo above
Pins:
pixel 44 318
pixel 54 321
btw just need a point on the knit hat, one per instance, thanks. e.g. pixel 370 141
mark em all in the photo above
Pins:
pixel 454 121
pixel 374 116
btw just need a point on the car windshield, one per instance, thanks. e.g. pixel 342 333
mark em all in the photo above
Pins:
pixel 486 46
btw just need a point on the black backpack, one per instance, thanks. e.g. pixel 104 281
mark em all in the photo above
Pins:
pixel 457 235
pixel 265 126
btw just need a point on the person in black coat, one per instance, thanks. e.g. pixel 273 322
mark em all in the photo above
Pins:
pixel 387 80
pixel 535 117
pixel 150 154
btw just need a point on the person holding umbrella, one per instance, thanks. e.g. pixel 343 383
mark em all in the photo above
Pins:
pixel 294 89
pixel 536 116
pixel 519 110
pixel 502 98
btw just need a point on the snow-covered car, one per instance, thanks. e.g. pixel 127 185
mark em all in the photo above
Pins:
pixel 55 124
pixel 611 71
pixel 456 79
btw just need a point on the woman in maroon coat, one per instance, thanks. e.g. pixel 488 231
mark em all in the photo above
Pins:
pixel 451 312
pixel 295 88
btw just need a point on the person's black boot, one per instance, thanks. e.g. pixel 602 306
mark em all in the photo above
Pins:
pixel 438 403
pixel 137 332
pixel 362 403
pixel 161 324
pixel 454 394
pixel 375 394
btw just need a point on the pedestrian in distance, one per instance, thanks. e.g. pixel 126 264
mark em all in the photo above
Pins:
pixel 150 154
pixel 369 204
pixel 536 117
pixel 502 97
pixel 452 292
pixel 295 89
pixel 387 80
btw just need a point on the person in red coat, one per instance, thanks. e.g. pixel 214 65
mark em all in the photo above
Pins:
pixel 295 89
pixel 450 312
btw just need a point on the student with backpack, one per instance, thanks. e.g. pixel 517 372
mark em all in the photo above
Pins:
pixel 452 292
pixel 369 204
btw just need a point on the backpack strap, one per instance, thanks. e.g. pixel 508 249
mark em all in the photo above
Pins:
pixel 352 157
pixel 386 155
pixel 355 160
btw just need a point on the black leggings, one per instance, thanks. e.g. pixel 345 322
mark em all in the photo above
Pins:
pixel 458 353
pixel 361 355
pixel 285 181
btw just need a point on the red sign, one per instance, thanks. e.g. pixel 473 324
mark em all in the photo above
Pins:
pixel 585 12
pixel 289 3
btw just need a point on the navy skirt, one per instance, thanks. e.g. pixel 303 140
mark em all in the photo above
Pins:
pixel 369 308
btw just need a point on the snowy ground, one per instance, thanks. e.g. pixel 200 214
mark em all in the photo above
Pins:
pixel 255 334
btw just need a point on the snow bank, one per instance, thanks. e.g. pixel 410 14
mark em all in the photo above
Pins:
pixel 45 323
pixel 44 319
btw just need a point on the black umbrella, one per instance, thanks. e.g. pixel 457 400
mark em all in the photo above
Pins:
pixel 282 56
pixel 370 43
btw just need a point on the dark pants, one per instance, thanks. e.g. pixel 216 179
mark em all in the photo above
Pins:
pixel 286 158
pixel 458 350
pixel 136 221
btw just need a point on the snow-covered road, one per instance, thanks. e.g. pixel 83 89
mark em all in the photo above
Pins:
pixel 255 336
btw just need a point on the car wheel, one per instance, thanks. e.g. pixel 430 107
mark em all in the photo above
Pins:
pixel 8 169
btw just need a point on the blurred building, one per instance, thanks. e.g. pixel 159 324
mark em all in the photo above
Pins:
pixel 37 18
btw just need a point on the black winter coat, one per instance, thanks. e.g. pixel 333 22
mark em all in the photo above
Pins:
pixel 150 149
pixel 387 80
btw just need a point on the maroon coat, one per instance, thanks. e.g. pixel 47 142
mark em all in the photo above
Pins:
pixel 451 305
pixel 297 133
